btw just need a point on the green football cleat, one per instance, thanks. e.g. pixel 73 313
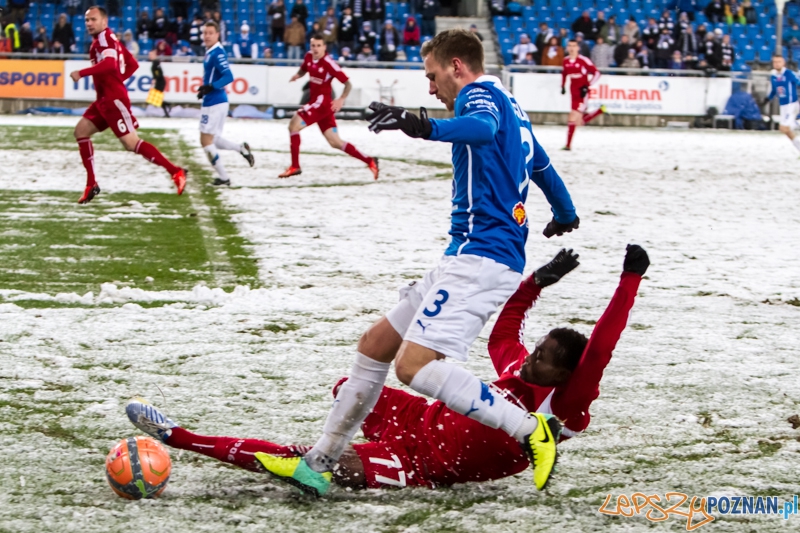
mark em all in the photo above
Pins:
pixel 295 471
pixel 540 447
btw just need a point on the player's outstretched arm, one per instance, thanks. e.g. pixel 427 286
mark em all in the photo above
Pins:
pixel 506 345
pixel 571 402
pixel 106 65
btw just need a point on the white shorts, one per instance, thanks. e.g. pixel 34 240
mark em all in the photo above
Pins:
pixel 212 118
pixel 789 114
pixel 447 310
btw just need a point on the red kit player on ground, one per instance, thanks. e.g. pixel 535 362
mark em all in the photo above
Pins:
pixel 413 443
pixel 578 68
pixel 112 64
pixel 322 70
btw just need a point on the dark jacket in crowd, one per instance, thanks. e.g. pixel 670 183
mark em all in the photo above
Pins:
pixel 300 11
pixel 713 53
pixel 621 53
pixel 584 25
pixel 727 56
pixel 64 35
pixel 374 10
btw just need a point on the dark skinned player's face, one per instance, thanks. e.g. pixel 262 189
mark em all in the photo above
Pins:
pixel 540 367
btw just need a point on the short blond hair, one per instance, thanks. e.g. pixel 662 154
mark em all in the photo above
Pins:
pixel 456 43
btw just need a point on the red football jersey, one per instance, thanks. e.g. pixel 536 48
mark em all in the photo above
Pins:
pixel 578 71
pixel 457 449
pixel 110 82
pixel 322 73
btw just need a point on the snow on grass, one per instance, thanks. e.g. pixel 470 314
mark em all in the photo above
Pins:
pixel 695 400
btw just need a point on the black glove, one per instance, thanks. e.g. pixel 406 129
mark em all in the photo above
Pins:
pixel 636 260
pixel 563 90
pixel 557 228
pixel 562 264
pixel 584 91
pixel 388 117
pixel 204 90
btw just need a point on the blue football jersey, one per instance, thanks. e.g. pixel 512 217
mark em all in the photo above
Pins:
pixel 490 182
pixel 784 86
pixel 216 72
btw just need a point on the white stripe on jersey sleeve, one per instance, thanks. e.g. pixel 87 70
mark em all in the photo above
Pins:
pixel 101 38
pixel 109 52
pixel 333 64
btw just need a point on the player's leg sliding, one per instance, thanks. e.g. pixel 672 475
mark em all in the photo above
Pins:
pixel 372 162
pixel 355 399
pixel 294 170
pixel 231 450
pixel 152 154
pixel 87 156
pixel 464 393
pixel 214 159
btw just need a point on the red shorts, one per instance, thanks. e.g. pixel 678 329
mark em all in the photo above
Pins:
pixel 318 112
pixel 114 114
pixel 578 103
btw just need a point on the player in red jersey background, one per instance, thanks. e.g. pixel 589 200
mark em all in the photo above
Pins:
pixel 112 64
pixel 322 70
pixel 578 68
pixel 414 443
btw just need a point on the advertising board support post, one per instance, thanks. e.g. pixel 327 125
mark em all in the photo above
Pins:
pixel 779 5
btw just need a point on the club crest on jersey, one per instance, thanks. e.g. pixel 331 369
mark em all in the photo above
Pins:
pixel 519 213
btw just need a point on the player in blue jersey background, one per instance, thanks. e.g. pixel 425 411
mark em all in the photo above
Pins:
pixel 216 75
pixel 495 158
pixel 784 86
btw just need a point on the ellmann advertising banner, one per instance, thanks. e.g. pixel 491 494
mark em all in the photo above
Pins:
pixel 21 78
pixel 626 95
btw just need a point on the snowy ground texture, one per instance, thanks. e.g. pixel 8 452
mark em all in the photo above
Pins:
pixel 696 399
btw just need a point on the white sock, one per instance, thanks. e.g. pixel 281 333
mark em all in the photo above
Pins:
pixel 355 400
pixel 225 144
pixel 464 393
pixel 213 156
pixel 796 142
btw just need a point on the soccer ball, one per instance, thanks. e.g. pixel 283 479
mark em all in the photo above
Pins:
pixel 138 467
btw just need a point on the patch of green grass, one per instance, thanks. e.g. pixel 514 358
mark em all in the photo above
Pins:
pixel 49 244
pixel 576 320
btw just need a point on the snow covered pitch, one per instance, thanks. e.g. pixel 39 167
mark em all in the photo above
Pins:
pixel 696 399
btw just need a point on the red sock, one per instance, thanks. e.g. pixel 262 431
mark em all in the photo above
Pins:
pixel 87 155
pixel 352 151
pixel 238 452
pixel 570 133
pixel 151 153
pixel 589 116
pixel 294 139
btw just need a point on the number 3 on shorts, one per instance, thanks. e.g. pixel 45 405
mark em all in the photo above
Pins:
pixel 437 304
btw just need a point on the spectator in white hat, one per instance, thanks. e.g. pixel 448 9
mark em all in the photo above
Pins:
pixel 523 48
pixel 244 45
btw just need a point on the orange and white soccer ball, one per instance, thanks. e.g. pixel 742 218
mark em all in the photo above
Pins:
pixel 138 467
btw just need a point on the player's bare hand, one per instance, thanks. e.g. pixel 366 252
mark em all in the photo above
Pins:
pixel 294 78
pixel 337 105
pixel 75 75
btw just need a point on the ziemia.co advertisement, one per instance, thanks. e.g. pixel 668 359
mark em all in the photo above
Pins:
pixel 183 79
pixel 31 79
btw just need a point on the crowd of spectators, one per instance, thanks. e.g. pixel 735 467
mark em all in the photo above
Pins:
pixel 663 43
pixel 358 29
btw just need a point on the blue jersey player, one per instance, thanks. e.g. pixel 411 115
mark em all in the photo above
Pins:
pixel 216 75
pixel 784 86
pixel 495 158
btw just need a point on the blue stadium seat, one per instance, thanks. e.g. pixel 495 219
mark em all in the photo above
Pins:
pixel 113 23
pixel 764 54
pixel 146 5
pixel 279 50
pixel 129 23
pixel 33 13
pixel 700 18
pixel 500 22
pixel 145 45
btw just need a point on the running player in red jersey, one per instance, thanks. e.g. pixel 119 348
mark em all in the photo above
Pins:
pixel 578 68
pixel 322 70
pixel 112 64
pixel 413 443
